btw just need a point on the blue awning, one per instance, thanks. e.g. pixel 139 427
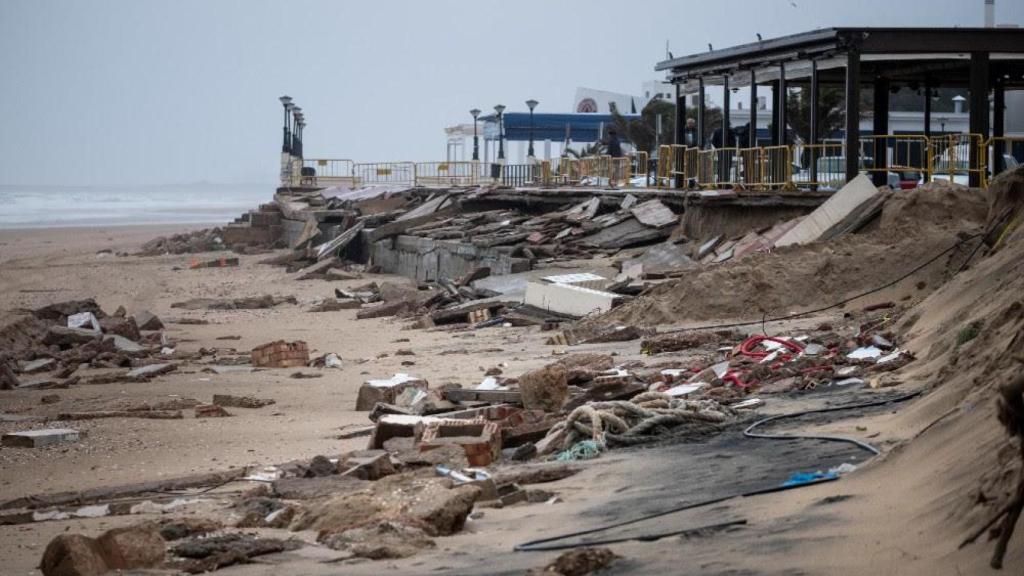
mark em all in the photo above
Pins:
pixel 580 127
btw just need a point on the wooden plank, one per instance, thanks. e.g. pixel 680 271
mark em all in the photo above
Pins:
pixel 400 226
pixel 495 396
pixel 429 207
pixel 310 230
pixel 625 234
pixel 654 214
pixel 331 248
pixel 316 269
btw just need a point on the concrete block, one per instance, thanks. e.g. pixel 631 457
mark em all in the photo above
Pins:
pixel 583 280
pixel 386 391
pixel 480 439
pixel 568 299
pixel 39 438
pixel 837 207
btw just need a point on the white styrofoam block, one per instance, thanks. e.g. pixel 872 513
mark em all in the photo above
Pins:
pixel 568 299
pixel 584 279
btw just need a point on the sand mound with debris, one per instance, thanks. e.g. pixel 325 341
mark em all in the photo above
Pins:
pixel 914 226
pixel 959 466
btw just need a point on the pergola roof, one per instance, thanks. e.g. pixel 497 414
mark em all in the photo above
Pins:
pixel 899 54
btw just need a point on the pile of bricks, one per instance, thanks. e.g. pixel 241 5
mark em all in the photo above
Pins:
pixel 281 354
pixel 480 439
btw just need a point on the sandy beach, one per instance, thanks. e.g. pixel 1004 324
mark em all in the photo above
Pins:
pixel 829 529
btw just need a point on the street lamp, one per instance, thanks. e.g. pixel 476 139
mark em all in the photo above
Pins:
pixel 531 104
pixel 500 109
pixel 286 101
pixel 476 142
pixel 296 113
pixel 299 127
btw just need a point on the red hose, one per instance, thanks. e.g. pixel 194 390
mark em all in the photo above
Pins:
pixel 747 347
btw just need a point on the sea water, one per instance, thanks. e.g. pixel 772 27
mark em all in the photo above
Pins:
pixel 28 206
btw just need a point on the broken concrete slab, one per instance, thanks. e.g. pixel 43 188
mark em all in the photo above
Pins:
pixel 146 320
pixel 241 401
pixel 38 365
pixel 386 391
pixel 366 464
pixel 654 214
pixel 335 246
pixel 39 438
pixel 569 299
pixel 123 344
pixel 834 210
pixel 151 370
pixel 317 269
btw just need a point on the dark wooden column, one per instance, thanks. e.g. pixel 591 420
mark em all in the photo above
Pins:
pixel 880 127
pixel 700 113
pixel 775 113
pixel 928 108
pixel 726 124
pixel 815 111
pixel 753 110
pixel 783 137
pixel 979 109
pixel 852 113
pixel 680 137
pixel 998 126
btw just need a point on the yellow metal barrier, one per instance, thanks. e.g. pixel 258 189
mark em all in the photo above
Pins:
pixel 950 158
pixel 447 173
pixel 716 167
pixel 777 166
pixel 751 167
pixel 384 173
pixel 640 166
pixel 664 171
pixel 317 172
pixel 895 153
pixel 819 166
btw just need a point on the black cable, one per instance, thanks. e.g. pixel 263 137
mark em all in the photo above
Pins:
pixel 864 445
pixel 538 545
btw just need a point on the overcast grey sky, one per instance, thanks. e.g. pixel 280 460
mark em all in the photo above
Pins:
pixel 127 92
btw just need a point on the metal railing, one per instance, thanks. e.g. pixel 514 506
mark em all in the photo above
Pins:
pixel 955 157
pixel 384 173
pixel 518 174
pixel 821 166
pixel 448 173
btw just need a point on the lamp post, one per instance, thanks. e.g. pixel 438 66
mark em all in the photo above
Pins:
pixel 286 101
pixel 531 104
pixel 296 113
pixel 476 142
pixel 301 124
pixel 500 109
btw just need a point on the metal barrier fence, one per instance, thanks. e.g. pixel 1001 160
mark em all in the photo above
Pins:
pixel 323 172
pixel 517 174
pixel 448 173
pixel 384 173
pixel 819 166
pixel 954 157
